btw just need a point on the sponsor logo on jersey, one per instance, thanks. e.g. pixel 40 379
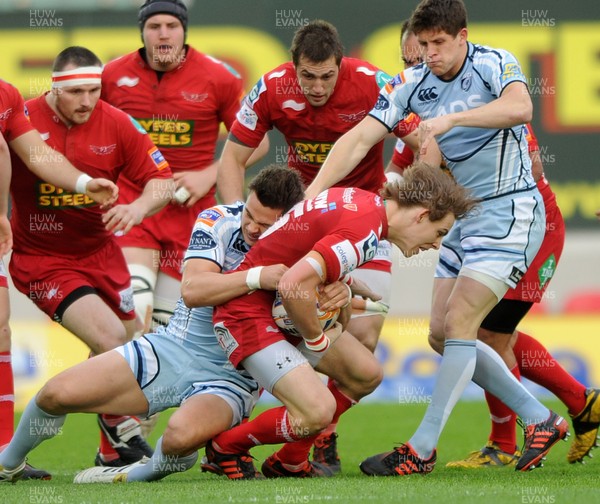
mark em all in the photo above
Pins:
pixel 240 245
pixel 247 117
pixel 367 248
pixel 201 240
pixel 226 340
pixel 346 256
pixel 209 216
pixel 50 196
pixel 382 103
pixel 313 153
pixel 428 94
pixel 126 305
pixel 194 97
pixel 397 80
pixel 158 158
pixel 168 132
pixel 103 150
pixel 355 117
pixel 256 91
pixel 348 195
pixel 382 78
pixel 515 275
pixel 511 70
pixel 546 271
pixel 128 81
pixel 473 101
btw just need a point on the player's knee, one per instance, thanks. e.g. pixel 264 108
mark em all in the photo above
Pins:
pixel 317 416
pixel 436 341
pixel 53 398
pixel 112 339
pixel 180 440
pixel 366 378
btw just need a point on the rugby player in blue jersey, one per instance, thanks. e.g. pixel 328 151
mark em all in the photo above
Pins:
pixel 473 100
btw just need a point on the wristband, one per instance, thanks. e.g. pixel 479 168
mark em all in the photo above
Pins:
pixel 253 278
pixel 82 182
pixel 318 344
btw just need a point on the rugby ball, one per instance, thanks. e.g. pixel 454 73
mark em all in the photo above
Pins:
pixel 327 319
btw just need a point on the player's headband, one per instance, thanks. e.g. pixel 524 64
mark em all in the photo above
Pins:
pixel 77 77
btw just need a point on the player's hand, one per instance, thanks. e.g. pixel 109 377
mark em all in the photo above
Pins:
pixel 197 183
pixel 122 218
pixel 6 237
pixel 333 296
pixel 270 276
pixel 102 191
pixel 598 214
pixel 360 288
pixel 431 128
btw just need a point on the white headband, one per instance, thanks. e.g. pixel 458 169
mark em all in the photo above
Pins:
pixel 77 77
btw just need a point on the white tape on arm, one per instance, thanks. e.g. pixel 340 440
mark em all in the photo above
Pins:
pixel 82 182
pixel 316 266
pixel 253 278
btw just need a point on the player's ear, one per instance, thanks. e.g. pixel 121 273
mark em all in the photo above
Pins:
pixel 423 214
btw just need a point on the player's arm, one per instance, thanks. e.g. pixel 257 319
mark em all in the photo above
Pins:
pixel 298 291
pixel 347 152
pixel 157 193
pixel 203 284
pixel 512 108
pixel 5 230
pixel 232 170
pixel 53 167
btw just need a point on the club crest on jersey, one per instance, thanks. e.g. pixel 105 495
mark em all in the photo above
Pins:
pixel 209 216
pixel 158 158
pixel 194 97
pixel 103 150
pixel 201 240
pixel 6 114
pixel 355 117
pixel 466 81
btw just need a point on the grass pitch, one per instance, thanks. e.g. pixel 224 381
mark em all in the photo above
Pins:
pixel 365 430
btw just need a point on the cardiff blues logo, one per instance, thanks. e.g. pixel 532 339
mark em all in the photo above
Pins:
pixel 465 83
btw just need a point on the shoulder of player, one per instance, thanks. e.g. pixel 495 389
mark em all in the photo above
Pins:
pixel 207 62
pixel 9 93
pixel 118 64
pixel 276 75
pixel 220 215
pixel 482 54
